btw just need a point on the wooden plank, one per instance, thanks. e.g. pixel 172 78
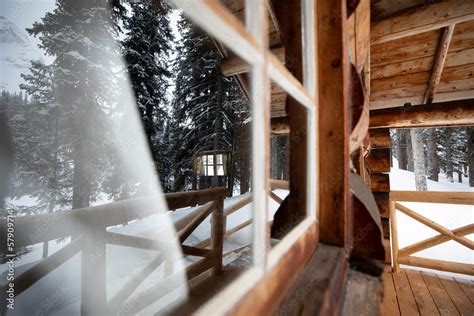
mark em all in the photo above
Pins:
pixel 389 301
pixel 439 295
pixel 316 277
pixel 468 288
pixel 333 83
pixel 461 72
pixel 395 68
pixel 458 297
pixel 441 265
pixel 423 299
pixel 439 62
pixel 452 113
pixel 405 296
pixel 422 20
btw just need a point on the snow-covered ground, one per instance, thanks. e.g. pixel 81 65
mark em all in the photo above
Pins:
pixel 448 215
pixel 58 293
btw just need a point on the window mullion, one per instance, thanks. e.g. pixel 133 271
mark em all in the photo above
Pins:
pixel 257 24
pixel 310 77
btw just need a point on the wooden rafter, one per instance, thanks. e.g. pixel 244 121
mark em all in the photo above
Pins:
pixel 424 19
pixel 438 65
pixel 451 113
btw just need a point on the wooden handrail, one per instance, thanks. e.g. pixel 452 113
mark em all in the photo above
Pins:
pixel 464 198
pixel 105 215
pixel 279 184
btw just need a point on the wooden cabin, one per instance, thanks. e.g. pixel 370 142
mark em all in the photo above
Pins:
pixel 335 76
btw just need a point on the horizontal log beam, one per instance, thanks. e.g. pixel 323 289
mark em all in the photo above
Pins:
pixel 378 160
pixel 462 198
pixel 280 126
pixel 380 138
pixel 424 19
pixel 441 265
pixel 235 65
pixel 451 113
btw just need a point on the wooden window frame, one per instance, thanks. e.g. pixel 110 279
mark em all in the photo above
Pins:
pixel 250 43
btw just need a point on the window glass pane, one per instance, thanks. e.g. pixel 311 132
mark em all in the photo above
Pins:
pixel 220 170
pixel 219 159
pixel 210 159
pixel 210 170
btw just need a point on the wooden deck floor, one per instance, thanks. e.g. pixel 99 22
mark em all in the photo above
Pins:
pixel 411 292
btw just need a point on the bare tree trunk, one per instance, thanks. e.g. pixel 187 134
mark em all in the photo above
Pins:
pixel 419 159
pixel 409 149
pixel 433 160
pixel 401 149
pixel 470 157
pixel 449 158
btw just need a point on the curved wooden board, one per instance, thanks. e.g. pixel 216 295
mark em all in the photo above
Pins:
pixel 360 111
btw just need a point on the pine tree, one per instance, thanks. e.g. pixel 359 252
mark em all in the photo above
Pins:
pixel 79 35
pixel 147 48
pixel 207 105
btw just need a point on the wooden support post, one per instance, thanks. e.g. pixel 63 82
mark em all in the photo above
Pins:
pixel 297 113
pixel 333 74
pixel 394 236
pixel 93 274
pixel 217 235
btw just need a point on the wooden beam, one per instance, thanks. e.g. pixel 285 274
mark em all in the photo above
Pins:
pixel 450 113
pixel 441 265
pixel 380 138
pixel 235 65
pixel 424 19
pixel 280 126
pixel 378 160
pixel 463 198
pixel 333 74
pixel 438 66
pixel 380 182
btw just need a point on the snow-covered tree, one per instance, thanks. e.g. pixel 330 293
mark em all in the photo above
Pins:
pixel 207 105
pixel 147 49
pixel 79 36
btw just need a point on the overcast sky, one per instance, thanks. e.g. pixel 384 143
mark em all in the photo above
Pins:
pixel 25 12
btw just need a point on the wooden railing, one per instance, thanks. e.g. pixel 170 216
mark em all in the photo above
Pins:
pixel 90 237
pixel 247 199
pixel 404 255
